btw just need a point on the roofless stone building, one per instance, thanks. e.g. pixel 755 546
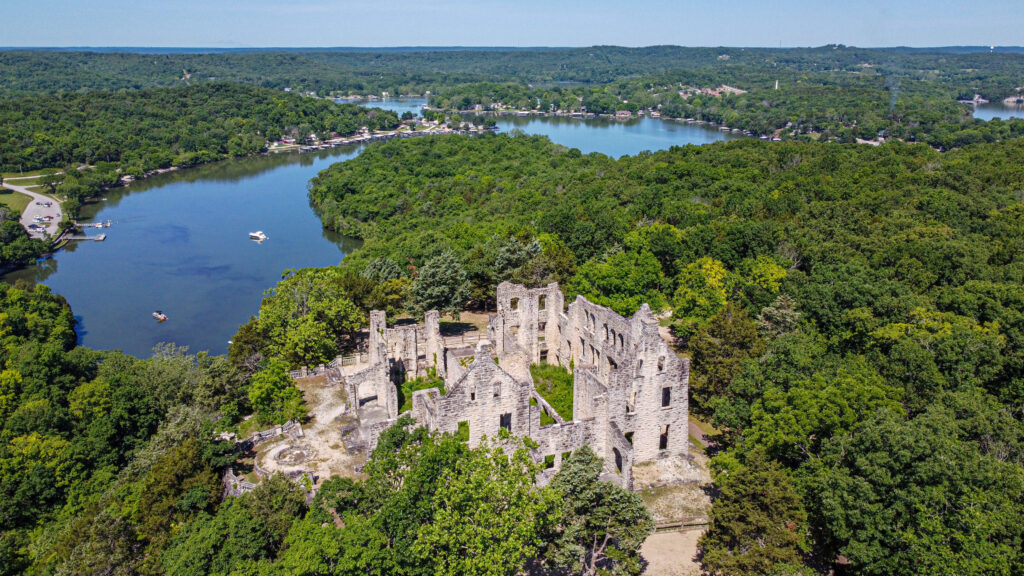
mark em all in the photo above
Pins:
pixel 630 389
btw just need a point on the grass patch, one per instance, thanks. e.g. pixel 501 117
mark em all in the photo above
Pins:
pixel 554 384
pixel 14 200
pixel 20 174
pixel 247 428
pixel 431 380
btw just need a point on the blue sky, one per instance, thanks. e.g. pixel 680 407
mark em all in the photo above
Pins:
pixel 235 23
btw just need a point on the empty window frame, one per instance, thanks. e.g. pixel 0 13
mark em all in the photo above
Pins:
pixel 505 421
pixel 666 397
pixel 663 439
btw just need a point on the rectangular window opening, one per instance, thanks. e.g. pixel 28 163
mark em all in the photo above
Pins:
pixel 663 440
pixel 506 421
pixel 666 397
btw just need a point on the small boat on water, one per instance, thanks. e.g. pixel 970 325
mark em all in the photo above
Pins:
pixel 160 316
pixel 258 236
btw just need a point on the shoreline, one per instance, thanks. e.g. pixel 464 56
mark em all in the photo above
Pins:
pixel 653 114
pixel 59 240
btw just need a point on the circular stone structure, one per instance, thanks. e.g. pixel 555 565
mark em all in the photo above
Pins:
pixel 293 455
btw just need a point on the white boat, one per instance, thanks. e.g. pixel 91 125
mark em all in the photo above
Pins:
pixel 159 316
pixel 259 236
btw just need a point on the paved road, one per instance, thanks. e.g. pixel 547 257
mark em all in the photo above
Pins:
pixel 37 207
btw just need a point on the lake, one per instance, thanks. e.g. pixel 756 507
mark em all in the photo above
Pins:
pixel 179 241
pixel 998 110
pixel 612 137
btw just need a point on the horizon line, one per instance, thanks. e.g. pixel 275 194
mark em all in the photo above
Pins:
pixel 426 47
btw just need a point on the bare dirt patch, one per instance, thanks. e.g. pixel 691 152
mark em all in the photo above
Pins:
pixel 673 490
pixel 672 553
pixel 320 450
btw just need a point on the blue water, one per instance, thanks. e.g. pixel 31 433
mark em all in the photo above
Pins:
pixel 990 111
pixel 612 137
pixel 179 241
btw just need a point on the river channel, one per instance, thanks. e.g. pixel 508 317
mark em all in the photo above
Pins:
pixel 178 242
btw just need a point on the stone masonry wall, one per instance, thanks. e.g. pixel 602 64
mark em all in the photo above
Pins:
pixel 630 389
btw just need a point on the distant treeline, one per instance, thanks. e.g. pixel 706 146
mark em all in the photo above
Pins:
pixel 415 71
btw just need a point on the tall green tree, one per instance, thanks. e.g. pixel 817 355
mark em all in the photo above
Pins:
pixel 758 521
pixel 602 525
pixel 274 396
pixel 441 285
pixel 718 350
pixel 488 517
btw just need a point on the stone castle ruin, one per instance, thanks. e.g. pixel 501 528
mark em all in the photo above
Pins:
pixel 630 389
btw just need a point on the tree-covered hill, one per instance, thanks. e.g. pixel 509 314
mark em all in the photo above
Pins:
pixel 146 129
pixel 855 317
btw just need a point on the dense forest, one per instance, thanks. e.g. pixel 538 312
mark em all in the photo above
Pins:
pixel 854 316
pixel 147 129
pixel 134 132
pixel 16 246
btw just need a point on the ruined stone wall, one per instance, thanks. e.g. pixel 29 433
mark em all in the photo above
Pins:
pixel 596 335
pixel 482 397
pixel 403 352
pixel 630 389
pixel 378 324
pixel 434 349
pixel 530 316
pixel 620 457
pixel 644 382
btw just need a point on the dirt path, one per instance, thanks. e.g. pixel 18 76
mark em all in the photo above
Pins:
pixel 37 207
pixel 699 435
pixel 672 553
